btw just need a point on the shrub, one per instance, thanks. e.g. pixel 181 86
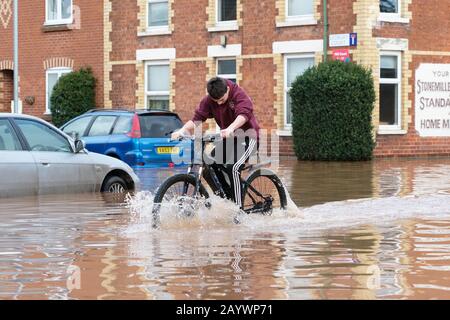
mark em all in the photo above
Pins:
pixel 332 107
pixel 72 95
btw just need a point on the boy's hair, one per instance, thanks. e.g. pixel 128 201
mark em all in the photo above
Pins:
pixel 217 87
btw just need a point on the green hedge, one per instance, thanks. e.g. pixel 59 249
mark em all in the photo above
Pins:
pixel 73 94
pixel 332 107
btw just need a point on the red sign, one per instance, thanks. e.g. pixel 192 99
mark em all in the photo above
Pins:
pixel 341 54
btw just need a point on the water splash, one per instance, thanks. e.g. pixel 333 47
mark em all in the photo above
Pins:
pixel 221 214
pixel 376 211
pixel 140 206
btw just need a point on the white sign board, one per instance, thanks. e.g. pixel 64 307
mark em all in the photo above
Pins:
pixel 432 109
pixel 339 40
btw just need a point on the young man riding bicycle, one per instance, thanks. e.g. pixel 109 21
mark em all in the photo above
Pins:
pixel 232 109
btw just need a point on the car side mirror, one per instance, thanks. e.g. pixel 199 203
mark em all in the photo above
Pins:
pixel 79 146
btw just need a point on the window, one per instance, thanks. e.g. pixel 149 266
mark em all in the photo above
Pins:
pixel 42 138
pixel 226 68
pixel 390 6
pixel 299 8
pixel 294 67
pixel 157 85
pixel 102 126
pixel 8 139
pixel 52 77
pixel 158 126
pixel 58 11
pixel 390 90
pixel 158 13
pixel 77 127
pixel 226 10
pixel 123 125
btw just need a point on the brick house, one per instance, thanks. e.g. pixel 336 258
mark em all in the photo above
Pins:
pixel 160 53
pixel 55 37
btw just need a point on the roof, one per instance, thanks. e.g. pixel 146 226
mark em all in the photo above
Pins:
pixel 139 111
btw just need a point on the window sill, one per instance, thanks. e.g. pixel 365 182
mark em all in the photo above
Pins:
pixel 393 19
pixel 58 22
pixel 155 32
pixel 224 27
pixel 56 27
pixel 297 23
pixel 393 131
pixel 285 132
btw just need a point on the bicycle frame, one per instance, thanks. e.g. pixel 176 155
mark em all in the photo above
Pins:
pixel 214 183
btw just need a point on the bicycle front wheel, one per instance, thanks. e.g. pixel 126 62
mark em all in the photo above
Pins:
pixel 177 192
pixel 264 192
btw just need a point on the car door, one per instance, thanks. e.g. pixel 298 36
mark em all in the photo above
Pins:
pixel 18 169
pixel 60 170
pixel 99 133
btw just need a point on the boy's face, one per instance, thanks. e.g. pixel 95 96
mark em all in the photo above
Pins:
pixel 224 97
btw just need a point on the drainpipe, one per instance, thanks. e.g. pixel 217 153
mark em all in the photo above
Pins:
pixel 16 56
pixel 325 31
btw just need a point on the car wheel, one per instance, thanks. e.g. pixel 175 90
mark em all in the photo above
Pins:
pixel 115 184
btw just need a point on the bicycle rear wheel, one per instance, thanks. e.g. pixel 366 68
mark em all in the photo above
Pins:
pixel 263 193
pixel 177 192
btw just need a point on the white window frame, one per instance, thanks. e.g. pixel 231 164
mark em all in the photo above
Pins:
pixel 393 17
pixel 225 23
pixel 164 28
pixel 227 76
pixel 286 89
pixel 60 71
pixel 395 128
pixel 59 19
pixel 155 93
pixel 298 17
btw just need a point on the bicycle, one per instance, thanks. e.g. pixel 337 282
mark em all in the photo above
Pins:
pixel 262 190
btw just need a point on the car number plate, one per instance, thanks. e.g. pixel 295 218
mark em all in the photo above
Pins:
pixel 167 150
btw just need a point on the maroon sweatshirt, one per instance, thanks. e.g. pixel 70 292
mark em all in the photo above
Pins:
pixel 238 103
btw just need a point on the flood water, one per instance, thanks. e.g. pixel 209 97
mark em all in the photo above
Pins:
pixel 363 230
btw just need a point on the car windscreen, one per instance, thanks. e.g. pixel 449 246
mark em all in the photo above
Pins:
pixel 158 126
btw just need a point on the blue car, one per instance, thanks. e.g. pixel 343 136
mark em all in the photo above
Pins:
pixel 141 138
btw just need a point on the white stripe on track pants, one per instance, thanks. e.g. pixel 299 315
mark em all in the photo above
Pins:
pixel 234 172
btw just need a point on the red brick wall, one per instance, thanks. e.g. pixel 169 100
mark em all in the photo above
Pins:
pixel 123 91
pixel 84 46
pixel 258 81
pixel 190 78
pixel 286 148
pixel 124 35
pixel 7 88
pixel 2 106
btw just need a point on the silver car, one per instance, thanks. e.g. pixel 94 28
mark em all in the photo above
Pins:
pixel 38 158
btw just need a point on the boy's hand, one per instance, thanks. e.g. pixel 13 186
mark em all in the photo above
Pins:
pixel 226 133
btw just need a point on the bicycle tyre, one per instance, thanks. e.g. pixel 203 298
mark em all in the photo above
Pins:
pixel 162 190
pixel 273 178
